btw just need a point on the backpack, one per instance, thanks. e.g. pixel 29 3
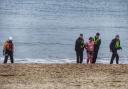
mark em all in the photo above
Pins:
pixel 9 46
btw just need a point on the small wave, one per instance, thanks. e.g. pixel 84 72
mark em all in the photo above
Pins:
pixel 38 60
pixel 62 61
pixel 39 43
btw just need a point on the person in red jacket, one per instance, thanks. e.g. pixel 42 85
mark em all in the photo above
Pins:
pixel 89 46
pixel 8 50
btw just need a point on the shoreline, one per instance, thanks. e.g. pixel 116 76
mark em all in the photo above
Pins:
pixel 63 76
pixel 61 61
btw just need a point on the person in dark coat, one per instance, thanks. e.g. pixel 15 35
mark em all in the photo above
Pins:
pixel 114 46
pixel 79 48
pixel 97 43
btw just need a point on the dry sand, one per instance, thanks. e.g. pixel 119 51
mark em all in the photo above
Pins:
pixel 63 76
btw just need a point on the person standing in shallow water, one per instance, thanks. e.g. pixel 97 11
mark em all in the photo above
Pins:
pixel 8 50
pixel 114 47
pixel 79 48
pixel 89 46
pixel 97 43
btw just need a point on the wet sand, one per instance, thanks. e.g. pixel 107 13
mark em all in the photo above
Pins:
pixel 63 76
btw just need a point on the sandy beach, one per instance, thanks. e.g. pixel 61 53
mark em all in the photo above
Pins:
pixel 63 76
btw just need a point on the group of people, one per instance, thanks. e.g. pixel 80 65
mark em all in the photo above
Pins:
pixel 92 48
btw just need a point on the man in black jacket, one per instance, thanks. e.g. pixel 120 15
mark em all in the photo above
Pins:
pixel 97 43
pixel 79 48
pixel 114 46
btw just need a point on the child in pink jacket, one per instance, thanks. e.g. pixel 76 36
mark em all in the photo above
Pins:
pixel 89 46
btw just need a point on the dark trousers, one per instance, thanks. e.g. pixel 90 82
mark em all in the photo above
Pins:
pixel 114 55
pixel 95 54
pixel 79 56
pixel 7 55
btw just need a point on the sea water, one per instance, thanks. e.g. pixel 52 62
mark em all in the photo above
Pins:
pixel 44 31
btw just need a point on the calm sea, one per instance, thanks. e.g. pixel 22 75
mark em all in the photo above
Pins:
pixel 44 31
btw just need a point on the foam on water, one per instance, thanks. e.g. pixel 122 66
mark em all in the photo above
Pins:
pixel 62 61
pixel 45 31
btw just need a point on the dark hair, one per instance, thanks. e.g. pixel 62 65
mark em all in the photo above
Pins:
pixel 117 36
pixel 81 34
pixel 97 33
pixel 91 38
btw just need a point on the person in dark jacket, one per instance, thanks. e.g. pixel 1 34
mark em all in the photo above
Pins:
pixel 79 48
pixel 8 50
pixel 97 43
pixel 114 46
